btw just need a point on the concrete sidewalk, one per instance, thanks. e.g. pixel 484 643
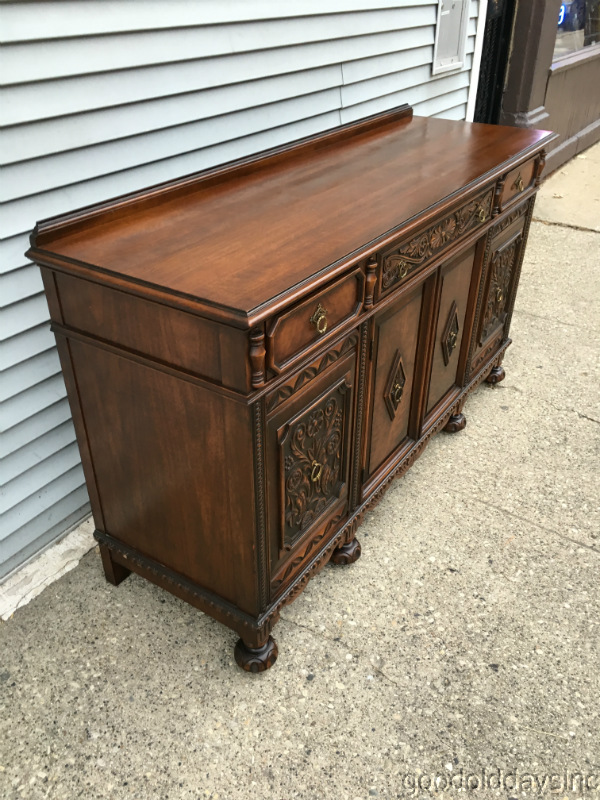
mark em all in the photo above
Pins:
pixel 466 638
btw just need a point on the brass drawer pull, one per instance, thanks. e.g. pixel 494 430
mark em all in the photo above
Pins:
pixel 319 319
pixel 402 269
pixel 482 215
pixel 316 471
pixel 397 390
pixel 518 184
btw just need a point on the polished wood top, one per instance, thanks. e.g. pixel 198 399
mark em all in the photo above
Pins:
pixel 242 238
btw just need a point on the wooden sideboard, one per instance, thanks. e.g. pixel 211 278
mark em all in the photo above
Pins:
pixel 252 353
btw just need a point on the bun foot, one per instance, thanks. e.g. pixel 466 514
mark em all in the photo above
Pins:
pixel 115 573
pixel 457 422
pixel 496 375
pixel 256 659
pixel 347 553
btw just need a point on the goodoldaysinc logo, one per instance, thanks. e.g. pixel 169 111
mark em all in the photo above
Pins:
pixel 580 783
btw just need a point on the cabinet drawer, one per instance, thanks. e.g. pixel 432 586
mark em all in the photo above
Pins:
pixel 313 320
pixel 517 181
pixel 422 248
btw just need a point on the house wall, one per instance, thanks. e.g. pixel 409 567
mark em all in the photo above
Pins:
pixel 104 97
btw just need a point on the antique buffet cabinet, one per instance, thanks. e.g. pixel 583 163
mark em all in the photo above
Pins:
pixel 252 353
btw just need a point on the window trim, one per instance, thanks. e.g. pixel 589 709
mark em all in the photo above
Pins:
pixel 437 68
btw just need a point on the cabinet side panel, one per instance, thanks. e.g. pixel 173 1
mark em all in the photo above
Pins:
pixel 173 465
pixel 174 337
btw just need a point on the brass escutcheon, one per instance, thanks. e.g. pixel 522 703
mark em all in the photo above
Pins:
pixel 482 215
pixel 319 319
pixel 316 471
pixel 397 393
pixel 402 269
pixel 518 184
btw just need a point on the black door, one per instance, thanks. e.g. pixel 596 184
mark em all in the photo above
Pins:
pixel 494 59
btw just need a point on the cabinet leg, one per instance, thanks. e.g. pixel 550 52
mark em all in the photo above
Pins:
pixel 347 553
pixel 256 659
pixel 457 422
pixel 115 573
pixel 496 375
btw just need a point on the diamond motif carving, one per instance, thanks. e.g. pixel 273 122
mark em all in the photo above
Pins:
pixel 394 388
pixel 450 334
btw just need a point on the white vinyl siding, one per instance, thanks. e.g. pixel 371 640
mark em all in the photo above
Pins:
pixel 103 97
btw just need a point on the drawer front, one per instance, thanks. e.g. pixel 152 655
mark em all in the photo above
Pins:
pixel 309 447
pixel 313 320
pixel 517 181
pixel 422 248
pixel 456 282
pixel 396 338
pixel 499 279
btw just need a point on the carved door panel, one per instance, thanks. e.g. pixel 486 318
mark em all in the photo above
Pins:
pixel 396 336
pixel 309 440
pixel 501 268
pixel 455 280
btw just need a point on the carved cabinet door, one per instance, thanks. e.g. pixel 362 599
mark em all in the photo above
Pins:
pixel 454 284
pixel 501 267
pixel 308 448
pixel 390 403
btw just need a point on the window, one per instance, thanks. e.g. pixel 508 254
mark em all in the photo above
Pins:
pixel 578 26
pixel 450 35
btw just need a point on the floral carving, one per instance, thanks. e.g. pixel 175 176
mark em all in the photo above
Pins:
pixel 501 271
pixel 292 386
pixel 432 241
pixel 312 460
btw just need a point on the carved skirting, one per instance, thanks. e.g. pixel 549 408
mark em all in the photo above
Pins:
pixel 247 626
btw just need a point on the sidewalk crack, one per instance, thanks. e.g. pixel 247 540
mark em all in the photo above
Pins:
pixel 521 518
pixel 565 225
pixel 584 416
pixel 546 319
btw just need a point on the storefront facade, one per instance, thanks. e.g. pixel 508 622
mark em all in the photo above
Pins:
pixel 552 77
